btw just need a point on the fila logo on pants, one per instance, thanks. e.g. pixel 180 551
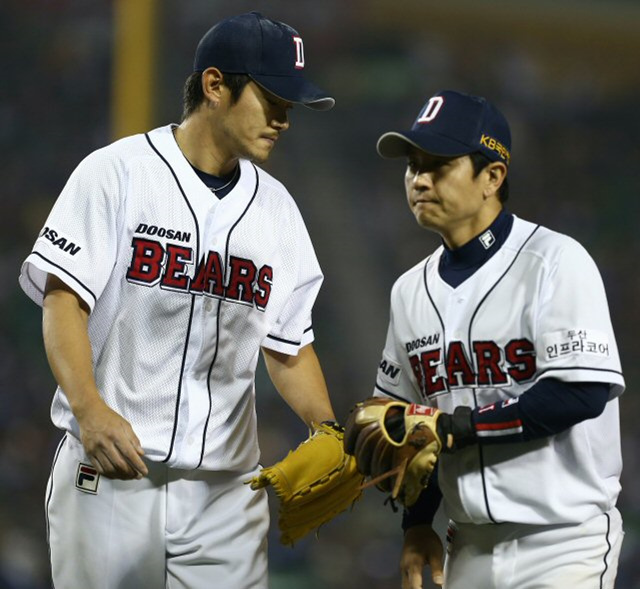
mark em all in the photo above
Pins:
pixel 87 478
pixel 153 264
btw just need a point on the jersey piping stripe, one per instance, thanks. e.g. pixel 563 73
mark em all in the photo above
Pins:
pixel 285 341
pixel 475 398
pixel 288 341
pixel 215 354
pixel 46 511
pixel 67 273
pixel 186 339
pixel 606 564
pixel 426 286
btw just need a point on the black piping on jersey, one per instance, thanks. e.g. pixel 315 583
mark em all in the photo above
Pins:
pixel 193 298
pixel 66 272
pixel 433 304
pixel 475 398
pixel 284 341
pixel 46 509
pixel 215 354
pixel 606 564
pixel 288 341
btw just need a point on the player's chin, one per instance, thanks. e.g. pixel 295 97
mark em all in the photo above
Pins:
pixel 424 220
pixel 259 156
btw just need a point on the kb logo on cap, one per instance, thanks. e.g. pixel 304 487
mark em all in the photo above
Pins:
pixel 299 52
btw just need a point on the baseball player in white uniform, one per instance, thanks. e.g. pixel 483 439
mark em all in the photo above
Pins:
pixel 506 327
pixel 169 260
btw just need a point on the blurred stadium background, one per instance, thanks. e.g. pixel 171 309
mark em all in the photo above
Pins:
pixel 78 73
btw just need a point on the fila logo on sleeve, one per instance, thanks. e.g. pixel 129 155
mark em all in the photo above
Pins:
pixel 299 52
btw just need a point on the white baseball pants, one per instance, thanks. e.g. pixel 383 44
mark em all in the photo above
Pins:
pixel 514 556
pixel 175 529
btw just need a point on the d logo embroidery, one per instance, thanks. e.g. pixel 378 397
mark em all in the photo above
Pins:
pixel 299 52
pixel 431 110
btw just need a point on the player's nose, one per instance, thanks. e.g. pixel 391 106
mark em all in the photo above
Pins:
pixel 280 117
pixel 281 122
pixel 421 179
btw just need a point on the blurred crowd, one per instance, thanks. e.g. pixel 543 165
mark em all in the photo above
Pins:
pixel 576 168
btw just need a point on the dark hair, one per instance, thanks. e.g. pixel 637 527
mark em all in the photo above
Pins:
pixel 192 95
pixel 479 161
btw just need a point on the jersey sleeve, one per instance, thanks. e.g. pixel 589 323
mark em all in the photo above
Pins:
pixel 575 337
pixel 293 328
pixel 395 377
pixel 78 242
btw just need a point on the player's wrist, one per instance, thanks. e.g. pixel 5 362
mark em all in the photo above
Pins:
pixel 86 404
pixel 456 430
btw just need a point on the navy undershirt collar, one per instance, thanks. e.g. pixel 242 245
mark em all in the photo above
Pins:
pixel 459 264
pixel 219 185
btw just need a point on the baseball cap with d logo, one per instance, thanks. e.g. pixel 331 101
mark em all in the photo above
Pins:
pixel 270 52
pixel 452 124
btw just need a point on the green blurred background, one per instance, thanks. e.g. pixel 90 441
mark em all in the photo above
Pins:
pixel 566 74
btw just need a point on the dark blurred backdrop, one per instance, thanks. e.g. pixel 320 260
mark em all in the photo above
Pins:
pixel 566 74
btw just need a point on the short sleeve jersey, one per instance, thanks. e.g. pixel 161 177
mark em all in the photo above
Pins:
pixel 184 288
pixel 536 309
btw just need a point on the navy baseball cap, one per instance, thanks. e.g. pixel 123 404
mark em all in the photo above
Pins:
pixel 270 52
pixel 452 124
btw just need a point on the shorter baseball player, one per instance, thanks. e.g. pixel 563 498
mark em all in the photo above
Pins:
pixel 501 363
pixel 168 263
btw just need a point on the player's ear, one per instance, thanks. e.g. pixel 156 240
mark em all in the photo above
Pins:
pixel 495 173
pixel 212 86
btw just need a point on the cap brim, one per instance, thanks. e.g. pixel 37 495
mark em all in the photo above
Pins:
pixel 295 89
pixel 398 144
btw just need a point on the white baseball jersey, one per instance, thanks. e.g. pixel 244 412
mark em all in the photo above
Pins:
pixel 183 289
pixel 536 309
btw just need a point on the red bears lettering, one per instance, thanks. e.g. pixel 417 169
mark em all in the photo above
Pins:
pixel 146 262
pixel 151 263
pixel 490 366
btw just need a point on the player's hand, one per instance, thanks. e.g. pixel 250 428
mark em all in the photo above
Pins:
pixel 422 547
pixel 110 443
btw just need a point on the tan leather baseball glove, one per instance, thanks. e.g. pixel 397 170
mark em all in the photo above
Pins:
pixel 394 443
pixel 314 483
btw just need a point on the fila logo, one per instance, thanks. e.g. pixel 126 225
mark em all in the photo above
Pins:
pixel 487 239
pixel 297 41
pixel 431 110
pixel 87 478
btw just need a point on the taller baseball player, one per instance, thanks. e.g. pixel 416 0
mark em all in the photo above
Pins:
pixel 500 359
pixel 168 261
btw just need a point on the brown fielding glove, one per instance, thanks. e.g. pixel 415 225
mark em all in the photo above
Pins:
pixel 314 482
pixel 395 443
